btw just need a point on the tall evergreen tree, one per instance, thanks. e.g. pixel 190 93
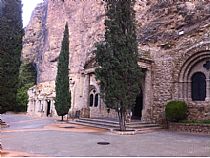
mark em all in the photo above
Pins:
pixel 117 57
pixel 11 34
pixel 63 94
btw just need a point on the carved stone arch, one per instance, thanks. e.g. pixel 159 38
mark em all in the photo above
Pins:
pixel 188 56
pixel 91 88
pixel 187 65
pixel 190 63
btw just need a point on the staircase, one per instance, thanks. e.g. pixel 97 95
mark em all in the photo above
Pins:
pixel 107 123
pixel 3 124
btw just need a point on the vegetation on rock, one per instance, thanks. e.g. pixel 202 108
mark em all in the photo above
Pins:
pixel 63 94
pixel 117 57
pixel 176 111
pixel 11 34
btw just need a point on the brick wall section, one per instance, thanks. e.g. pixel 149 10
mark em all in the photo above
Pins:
pixel 191 128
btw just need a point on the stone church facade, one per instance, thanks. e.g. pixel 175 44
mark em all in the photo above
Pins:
pixel 174 48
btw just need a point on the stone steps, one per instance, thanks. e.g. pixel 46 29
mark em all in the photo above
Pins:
pixel 138 126
pixel 98 124
pixel 3 124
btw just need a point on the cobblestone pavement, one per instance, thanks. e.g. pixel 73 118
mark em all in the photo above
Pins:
pixel 48 137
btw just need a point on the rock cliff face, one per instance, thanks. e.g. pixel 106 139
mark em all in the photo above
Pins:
pixel 44 34
pixel 34 39
pixel 162 25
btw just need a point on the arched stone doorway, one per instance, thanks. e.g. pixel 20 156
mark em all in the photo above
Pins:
pixel 137 109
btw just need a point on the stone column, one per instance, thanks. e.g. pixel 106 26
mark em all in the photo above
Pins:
pixel 86 89
pixel 30 106
pixel 147 96
pixel 42 108
pixel 181 90
pixel 71 87
pixel 208 93
pixel 189 90
pixel 34 106
pixel 208 88
pixel 175 92
pixel 184 89
pixel 54 113
pixel 38 105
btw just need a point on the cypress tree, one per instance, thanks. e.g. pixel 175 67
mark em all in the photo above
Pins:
pixel 63 95
pixel 11 34
pixel 117 57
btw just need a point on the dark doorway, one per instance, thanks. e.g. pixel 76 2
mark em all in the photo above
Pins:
pixel 198 86
pixel 48 108
pixel 137 110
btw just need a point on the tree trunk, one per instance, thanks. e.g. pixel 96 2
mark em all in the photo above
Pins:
pixel 62 118
pixel 121 115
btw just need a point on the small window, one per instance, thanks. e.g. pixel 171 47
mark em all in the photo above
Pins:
pixel 91 100
pixel 96 100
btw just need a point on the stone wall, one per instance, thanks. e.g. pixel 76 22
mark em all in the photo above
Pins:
pixel 198 110
pixel 190 128
pixel 39 96
pixel 168 30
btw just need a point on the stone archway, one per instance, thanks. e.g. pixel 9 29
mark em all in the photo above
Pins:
pixel 192 61
pixel 193 65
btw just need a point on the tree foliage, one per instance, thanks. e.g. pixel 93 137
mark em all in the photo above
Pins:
pixel 63 95
pixel 11 33
pixel 27 78
pixel 117 57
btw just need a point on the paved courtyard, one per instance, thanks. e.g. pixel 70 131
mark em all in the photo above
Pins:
pixel 29 136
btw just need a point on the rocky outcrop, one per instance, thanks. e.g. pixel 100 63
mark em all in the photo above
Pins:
pixel 161 25
pixel 35 34
pixel 44 34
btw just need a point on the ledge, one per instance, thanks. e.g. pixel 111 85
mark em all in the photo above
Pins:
pixel 190 128
pixel 127 132
pixel 4 126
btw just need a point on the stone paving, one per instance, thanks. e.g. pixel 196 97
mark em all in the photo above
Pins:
pixel 29 136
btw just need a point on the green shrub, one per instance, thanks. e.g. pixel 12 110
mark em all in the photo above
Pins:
pixel 22 98
pixel 176 111
pixel 27 78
